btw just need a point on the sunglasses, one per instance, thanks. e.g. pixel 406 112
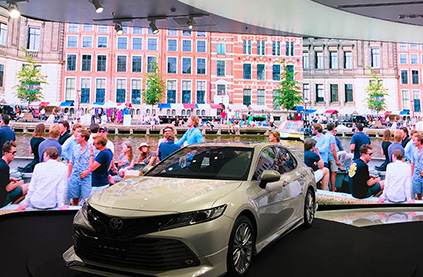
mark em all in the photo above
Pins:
pixel 13 153
pixel 370 154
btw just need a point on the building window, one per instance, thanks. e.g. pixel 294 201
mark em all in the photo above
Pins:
pixel 306 60
pixel 173 33
pixel 3 34
pixel 402 46
pixel 333 93
pixel 122 43
pixel 246 46
pixel 221 68
pixel 415 77
pixel 247 71
pixel 333 61
pixel 120 90
pixel 101 29
pixel 201 66
pixel 102 42
pixel 101 63
pixel 261 47
pixel 171 91
pixel 73 28
pixel 150 64
pixel 186 92
pixel 137 30
pixel 88 27
pixel 403 58
pixel 290 69
pixel 247 97
pixel 86 63
pixel 72 42
pixel 318 60
pixel 136 64
pixel 1 74
pixel 137 43
pixel 276 104
pixel 152 44
pixel 261 97
pixel 70 89
pixel 186 45
pixel 416 100
pixel 221 48
pixel 71 62
pixel 87 42
pixel 85 90
pixel 221 90
pixel 414 58
pixel 306 93
pixel 121 63
pixel 186 33
pixel 201 46
pixel 320 94
pixel 186 66
pixel 261 71
pixel 405 97
pixel 404 77
pixel 348 93
pixel 290 48
pixel 348 60
pixel 276 72
pixel 201 92
pixel 172 45
pixel 33 39
pixel 413 46
pixel 136 91
pixel 100 90
pixel 171 65
pixel 375 56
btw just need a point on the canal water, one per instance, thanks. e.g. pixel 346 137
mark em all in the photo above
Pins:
pixel 22 141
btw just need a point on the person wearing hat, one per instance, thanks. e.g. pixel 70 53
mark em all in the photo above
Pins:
pixel 146 156
pixel 193 134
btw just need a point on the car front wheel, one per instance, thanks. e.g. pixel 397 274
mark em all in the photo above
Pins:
pixel 309 208
pixel 241 247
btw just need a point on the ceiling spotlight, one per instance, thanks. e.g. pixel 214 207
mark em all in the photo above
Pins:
pixel 13 10
pixel 118 28
pixel 153 27
pixel 190 23
pixel 98 7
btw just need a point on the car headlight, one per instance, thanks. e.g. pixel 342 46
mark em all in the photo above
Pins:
pixel 191 218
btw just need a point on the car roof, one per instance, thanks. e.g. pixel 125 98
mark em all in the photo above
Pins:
pixel 247 144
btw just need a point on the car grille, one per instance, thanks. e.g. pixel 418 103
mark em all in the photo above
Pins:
pixel 138 253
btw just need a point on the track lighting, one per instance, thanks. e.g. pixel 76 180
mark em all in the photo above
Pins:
pixel 118 28
pixel 153 26
pixel 190 23
pixel 98 7
pixel 13 10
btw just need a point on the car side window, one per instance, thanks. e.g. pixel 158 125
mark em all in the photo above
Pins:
pixel 285 161
pixel 266 161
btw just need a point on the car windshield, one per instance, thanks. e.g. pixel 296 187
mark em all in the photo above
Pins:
pixel 206 162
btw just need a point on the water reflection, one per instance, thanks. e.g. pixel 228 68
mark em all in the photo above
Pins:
pixel 152 140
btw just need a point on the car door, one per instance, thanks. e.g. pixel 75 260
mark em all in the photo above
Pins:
pixel 271 201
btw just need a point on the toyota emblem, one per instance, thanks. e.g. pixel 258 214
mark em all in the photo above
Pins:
pixel 116 223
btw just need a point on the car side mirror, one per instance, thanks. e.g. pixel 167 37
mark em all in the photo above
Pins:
pixel 269 176
pixel 146 169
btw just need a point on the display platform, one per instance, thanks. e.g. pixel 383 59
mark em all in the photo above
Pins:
pixel 32 244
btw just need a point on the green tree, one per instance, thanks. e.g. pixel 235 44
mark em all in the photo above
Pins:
pixel 288 94
pixel 155 89
pixel 29 80
pixel 376 93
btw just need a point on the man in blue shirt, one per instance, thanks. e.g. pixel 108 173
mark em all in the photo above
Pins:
pixel 322 142
pixel 6 133
pixel 358 140
pixel 51 141
pixel 313 160
pixel 193 134
pixel 396 145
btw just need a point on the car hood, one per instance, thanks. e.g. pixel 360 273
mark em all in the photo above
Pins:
pixel 162 195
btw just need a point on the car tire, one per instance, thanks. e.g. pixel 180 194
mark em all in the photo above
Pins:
pixel 240 247
pixel 309 208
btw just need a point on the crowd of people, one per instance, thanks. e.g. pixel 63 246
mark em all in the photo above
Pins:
pixel 67 168
pixel 403 163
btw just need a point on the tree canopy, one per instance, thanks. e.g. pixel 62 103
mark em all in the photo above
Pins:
pixel 376 93
pixel 156 87
pixel 288 94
